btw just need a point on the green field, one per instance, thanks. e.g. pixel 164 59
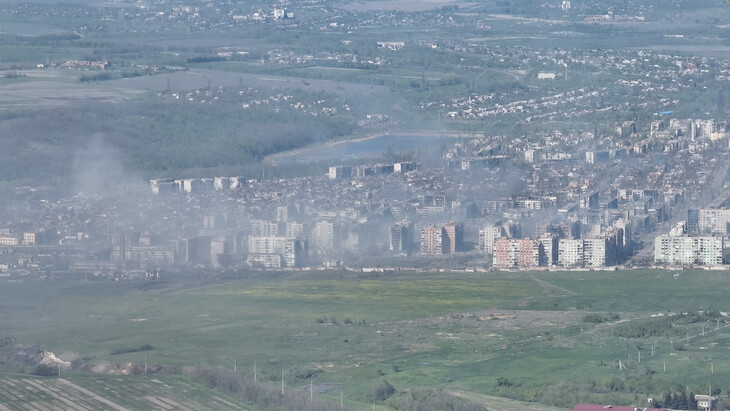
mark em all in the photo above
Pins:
pixel 518 335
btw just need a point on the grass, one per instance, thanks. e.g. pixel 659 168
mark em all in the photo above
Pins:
pixel 456 331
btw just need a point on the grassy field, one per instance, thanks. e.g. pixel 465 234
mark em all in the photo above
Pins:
pixel 507 334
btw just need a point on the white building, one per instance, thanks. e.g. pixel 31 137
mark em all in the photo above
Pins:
pixel 533 156
pixel 221 183
pixel 295 230
pixel 488 237
pixel 570 253
pixel 7 241
pixel 596 252
pixel 30 238
pixel 264 260
pixel 285 247
pixel 688 250
pixel 338 172
pixel 714 222
pixel 324 235
pixel 264 228
pixel 545 76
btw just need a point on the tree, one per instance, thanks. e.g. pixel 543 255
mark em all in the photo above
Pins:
pixel 381 390
pixel 681 401
pixel 691 402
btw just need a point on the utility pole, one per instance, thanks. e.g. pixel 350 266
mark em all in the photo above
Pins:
pixel 235 364
pixel 254 370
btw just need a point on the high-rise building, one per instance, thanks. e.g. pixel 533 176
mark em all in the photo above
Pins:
pixel 217 248
pixel 488 237
pixel 589 200
pixel 324 236
pixel 713 222
pixel 453 238
pixel 517 253
pixel 506 253
pixel 292 251
pixel 282 214
pixel 294 230
pixel 264 228
pixel 549 245
pixel 599 252
pixel 693 221
pixel 688 250
pixel 534 156
pixel 400 236
pixel 339 172
pixel 570 252
pixel 431 240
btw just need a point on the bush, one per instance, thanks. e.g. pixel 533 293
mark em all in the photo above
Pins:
pixel 45 370
pixel 427 399
pixel 504 382
pixel 596 318
pixel 380 391
pixel 145 347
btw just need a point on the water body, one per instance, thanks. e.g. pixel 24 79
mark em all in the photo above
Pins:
pixel 363 149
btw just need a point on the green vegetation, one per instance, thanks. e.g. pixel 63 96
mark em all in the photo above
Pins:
pixel 663 326
pixel 599 318
pixel 516 335
pixel 145 347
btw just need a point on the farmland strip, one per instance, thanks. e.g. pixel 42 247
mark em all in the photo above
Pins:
pixel 55 396
pixel 41 406
pixel 157 402
pixel 169 402
pixel 230 404
pixel 91 394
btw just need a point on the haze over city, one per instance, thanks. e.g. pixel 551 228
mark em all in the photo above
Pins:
pixel 391 205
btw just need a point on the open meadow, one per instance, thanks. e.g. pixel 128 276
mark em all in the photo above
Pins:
pixel 548 337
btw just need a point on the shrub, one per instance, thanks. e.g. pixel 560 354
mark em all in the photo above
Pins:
pixel 599 318
pixel 428 399
pixel 380 391
pixel 45 370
